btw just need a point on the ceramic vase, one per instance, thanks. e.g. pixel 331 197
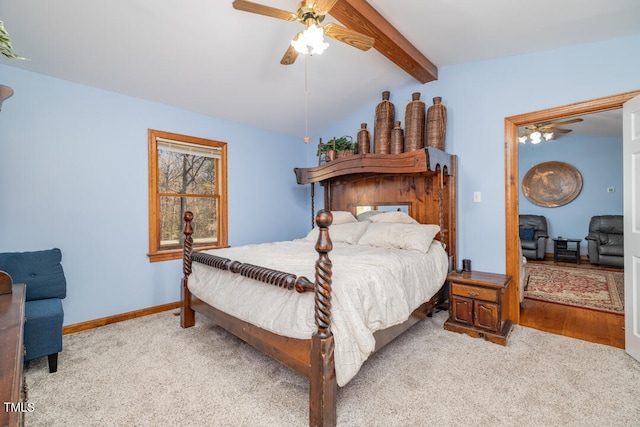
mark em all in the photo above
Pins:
pixel 397 139
pixel 385 115
pixel 364 140
pixel 414 123
pixel 436 124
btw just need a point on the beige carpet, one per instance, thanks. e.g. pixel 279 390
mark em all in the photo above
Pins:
pixel 150 372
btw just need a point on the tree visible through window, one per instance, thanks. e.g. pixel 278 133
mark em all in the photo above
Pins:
pixel 185 174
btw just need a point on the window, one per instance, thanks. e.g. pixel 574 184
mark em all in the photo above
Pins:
pixel 186 174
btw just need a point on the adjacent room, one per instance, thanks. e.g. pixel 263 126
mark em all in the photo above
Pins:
pixel 572 197
pixel 327 212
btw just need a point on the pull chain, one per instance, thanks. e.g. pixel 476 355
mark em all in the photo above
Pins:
pixel 306 101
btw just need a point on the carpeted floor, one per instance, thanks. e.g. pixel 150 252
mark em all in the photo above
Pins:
pixel 596 289
pixel 150 372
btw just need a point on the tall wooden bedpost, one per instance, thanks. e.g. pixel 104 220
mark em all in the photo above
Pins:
pixel 322 378
pixel 187 315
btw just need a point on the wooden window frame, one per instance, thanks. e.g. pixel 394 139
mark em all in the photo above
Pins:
pixel 155 252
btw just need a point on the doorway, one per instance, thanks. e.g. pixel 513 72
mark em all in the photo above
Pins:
pixel 512 124
pixel 593 136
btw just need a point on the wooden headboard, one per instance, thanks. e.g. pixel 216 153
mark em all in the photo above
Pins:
pixel 423 180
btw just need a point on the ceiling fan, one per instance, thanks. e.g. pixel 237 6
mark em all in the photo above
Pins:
pixel 546 131
pixel 310 13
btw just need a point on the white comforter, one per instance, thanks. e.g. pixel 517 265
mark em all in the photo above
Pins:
pixel 373 288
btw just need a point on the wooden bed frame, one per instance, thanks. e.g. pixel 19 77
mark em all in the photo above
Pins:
pixel 423 180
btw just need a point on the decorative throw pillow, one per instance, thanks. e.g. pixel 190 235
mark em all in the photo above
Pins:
pixel 366 216
pixel 417 237
pixel 527 233
pixel 342 217
pixel 346 233
pixel 395 216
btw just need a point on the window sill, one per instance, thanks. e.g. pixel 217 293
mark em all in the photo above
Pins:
pixel 171 254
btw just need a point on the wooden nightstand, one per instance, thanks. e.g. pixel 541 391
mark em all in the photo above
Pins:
pixel 475 305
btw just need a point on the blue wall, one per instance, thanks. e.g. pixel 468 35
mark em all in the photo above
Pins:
pixel 599 161
pixel 74 175
pixel 478 97
pixel 73 166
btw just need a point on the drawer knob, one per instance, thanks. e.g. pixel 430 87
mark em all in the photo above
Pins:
pixel 473 294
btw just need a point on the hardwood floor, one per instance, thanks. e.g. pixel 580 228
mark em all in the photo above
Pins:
pixel 581 323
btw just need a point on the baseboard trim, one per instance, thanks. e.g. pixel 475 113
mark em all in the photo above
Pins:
pixel 83 326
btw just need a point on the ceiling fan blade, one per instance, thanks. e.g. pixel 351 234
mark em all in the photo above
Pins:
pixel 558 130
pixel 566 122
pixel 260 9
pixel 324 6
pixel 290 55
pixel 350 37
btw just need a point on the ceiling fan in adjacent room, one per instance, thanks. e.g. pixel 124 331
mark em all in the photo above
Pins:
pixel 547 131
pixel 311 13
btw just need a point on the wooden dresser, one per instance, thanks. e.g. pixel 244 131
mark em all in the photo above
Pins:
pixel 475 305
pixel 12 355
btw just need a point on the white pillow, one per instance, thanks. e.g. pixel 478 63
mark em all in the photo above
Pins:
pixel 342 217
pixel 394 216
pixel 366 216
pixel 417 237
pixel 347 233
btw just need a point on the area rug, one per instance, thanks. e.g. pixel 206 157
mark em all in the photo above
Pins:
pixel 595 289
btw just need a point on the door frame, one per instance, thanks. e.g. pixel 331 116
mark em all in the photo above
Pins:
pixel 511 189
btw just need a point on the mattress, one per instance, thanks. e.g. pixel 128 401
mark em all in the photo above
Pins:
pixel 373 288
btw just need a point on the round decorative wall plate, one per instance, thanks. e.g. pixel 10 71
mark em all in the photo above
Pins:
pixel 552 184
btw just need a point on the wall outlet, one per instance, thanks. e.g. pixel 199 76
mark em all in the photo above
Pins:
pixel 611 190
pixel 477 197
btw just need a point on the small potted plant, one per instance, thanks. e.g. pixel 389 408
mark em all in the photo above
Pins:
pixel 344 146
pixel 336 148
pixel 7 50
pixel 326 152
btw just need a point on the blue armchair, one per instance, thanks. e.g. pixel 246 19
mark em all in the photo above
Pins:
pixel 42 272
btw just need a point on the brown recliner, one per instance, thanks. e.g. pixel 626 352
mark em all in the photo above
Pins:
pixel 605 242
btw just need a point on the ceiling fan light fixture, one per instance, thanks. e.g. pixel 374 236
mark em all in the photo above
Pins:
pixel 535 137
pixel 310 41
pixel 549 130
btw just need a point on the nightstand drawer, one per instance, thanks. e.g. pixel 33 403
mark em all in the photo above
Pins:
pixel 475 292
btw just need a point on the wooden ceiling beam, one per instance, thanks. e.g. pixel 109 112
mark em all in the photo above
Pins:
pixel 360 16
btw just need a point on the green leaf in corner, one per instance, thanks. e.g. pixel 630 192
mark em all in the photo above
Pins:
pixel 5 44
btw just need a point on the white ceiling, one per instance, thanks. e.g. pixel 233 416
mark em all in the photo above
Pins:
pixel 604 124
pixel 205 56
